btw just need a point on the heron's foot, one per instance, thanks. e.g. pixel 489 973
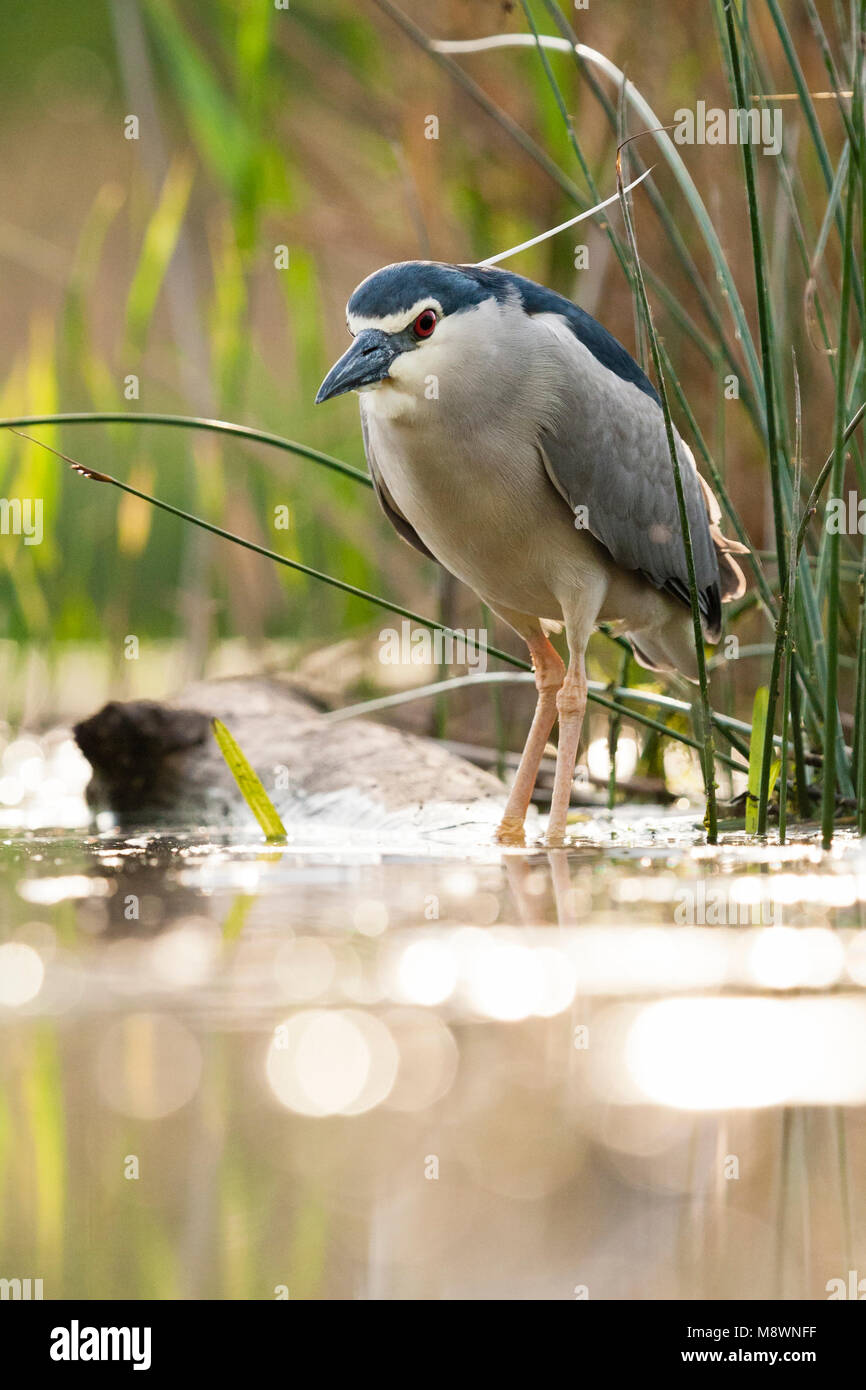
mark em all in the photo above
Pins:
pixel 556 834
pixel 556 841
pixel 510 832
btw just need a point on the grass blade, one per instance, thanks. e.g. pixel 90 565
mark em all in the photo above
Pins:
pixel 767 369
pixel 789 675
pixel 158 247
pixel 756 750
pixel 705 730
pixel 249 784
pixel 828 803
pixel 190 422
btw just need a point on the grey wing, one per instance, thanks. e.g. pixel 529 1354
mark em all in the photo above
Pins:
pixel 386 501
pixel 608 452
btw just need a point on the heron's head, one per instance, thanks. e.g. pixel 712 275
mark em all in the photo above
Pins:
pixel 416 324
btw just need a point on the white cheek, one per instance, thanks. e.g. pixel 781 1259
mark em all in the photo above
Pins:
pixel 427 371
pixel 397 395
pixel 391 403
pixel 408 370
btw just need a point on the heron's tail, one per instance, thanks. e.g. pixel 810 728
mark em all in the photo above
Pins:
pixel 732 581
pixel 668 648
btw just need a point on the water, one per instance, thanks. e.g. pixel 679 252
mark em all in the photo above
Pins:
pixel 377 1067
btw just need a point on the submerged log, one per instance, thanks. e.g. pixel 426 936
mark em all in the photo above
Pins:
pixel 158 764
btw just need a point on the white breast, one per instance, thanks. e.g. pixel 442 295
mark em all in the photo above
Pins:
pixel 479 497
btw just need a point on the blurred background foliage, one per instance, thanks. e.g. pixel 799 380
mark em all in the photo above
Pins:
pixel 304 128
pixel 155 258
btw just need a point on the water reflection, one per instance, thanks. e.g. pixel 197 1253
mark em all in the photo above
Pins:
pixel 639 1067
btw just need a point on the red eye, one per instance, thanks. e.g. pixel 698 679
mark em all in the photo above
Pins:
pixel 424 324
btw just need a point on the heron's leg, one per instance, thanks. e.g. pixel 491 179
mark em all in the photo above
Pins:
pixel 549 674
pixel 571 704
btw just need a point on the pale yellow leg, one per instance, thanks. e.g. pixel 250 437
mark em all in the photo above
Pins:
pixel 549 674
pixel 571 704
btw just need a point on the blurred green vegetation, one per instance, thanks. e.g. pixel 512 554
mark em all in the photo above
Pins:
pixel 156 258
pixel 161 259
pixel 168 274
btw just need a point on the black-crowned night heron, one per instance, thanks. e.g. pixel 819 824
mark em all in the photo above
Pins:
pixel 511 438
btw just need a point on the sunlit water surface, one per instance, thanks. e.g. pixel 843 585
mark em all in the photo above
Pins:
pixel 400 1067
